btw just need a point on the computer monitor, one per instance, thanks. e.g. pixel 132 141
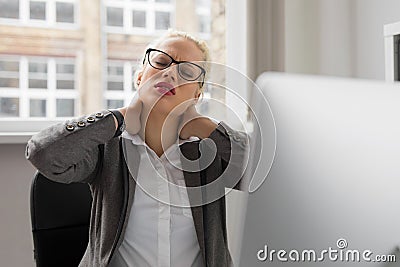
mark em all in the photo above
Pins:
pixel 335 179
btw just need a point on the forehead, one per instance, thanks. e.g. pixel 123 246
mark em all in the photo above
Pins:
pixel 181 49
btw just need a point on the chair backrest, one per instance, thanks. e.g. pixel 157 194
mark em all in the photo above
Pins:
pixel 60 215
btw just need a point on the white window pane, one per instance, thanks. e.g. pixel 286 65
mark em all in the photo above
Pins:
pixel 9 107
pixel 204 24
pixel 9 66
pixel 162 20
pixel 9 82
pixel 9 9
pixel 203 3
pixel 37 10
pixel 115 79
pixel 139 18
pixel 115 70
pixel 37 83
pixel 65 108
pixel 112 103
pixel 65 12
pixel 115 16
pixel 65 84
pixel 37 67
pixel 65 68
pixel 37 75
pixel 9 73
pixel 115 85
pixel 37 108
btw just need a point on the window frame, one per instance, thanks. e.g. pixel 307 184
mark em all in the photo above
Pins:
pixel 127 78
pixel 50 94
pixel 50 21
pixel 150 7
pixel 202 11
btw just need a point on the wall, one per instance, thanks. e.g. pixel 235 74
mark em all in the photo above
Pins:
pixel 16 245
pixel 369 17
pixel 327 37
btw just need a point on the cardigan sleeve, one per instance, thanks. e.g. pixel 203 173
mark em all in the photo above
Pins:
pixel 69 151
pixel 233 148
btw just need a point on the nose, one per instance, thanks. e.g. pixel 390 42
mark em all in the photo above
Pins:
pixel 171 72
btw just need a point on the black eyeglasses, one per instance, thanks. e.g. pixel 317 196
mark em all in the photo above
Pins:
pixel 187 70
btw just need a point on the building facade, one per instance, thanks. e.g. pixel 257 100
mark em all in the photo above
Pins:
pixel 62 58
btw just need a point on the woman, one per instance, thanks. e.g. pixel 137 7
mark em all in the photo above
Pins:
pixel 130 226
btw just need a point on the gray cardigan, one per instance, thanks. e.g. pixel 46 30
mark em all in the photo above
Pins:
pixel 84 150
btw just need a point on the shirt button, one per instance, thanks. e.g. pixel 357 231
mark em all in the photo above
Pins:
pixel 70 127
pixel 90 119
pixel 99 115
pixel 81 124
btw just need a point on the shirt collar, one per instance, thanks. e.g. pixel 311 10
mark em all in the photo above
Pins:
pixel 137 140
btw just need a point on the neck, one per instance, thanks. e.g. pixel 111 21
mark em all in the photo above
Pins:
pixel 158 131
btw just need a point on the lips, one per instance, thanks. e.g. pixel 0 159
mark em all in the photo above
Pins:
pixel 165 88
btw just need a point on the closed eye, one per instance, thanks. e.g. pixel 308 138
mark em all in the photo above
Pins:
pixel 162 64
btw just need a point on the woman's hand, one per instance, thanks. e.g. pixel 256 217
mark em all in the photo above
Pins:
pixel 195 124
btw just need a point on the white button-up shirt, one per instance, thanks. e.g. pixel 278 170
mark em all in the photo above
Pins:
pixel 159 234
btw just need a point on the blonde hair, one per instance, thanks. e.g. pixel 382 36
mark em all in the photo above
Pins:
pixel 201 44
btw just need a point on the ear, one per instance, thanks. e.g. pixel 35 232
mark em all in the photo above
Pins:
pixel 139 78
pixel 197 96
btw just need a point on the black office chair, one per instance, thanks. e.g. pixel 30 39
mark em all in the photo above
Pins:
pixel 60 215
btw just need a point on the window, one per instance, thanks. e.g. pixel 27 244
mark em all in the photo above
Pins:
pixel 65 12
pixel 9 107
pixel 37 87
pixel 65 107
pixel 9 73
pixel 37 10
pixel 138 19
pixel 9 9
pixel 115 16
pixel 37 74
pixel 44 79
pixel 203 11
pixel 143 17
pixel 120 86
pixel 39 13
pixel 113 104
pixel 37 107
pixel 65 75
pixel 162 20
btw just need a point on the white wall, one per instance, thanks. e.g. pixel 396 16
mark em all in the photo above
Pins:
pixel 302 30
pixel 337 37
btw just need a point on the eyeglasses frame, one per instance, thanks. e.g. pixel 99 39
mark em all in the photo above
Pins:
pixel 203 71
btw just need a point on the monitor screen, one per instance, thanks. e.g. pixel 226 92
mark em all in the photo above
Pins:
pixel 334 184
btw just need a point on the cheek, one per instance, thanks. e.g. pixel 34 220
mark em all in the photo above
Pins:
pixel 148 73
pixel 188 91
